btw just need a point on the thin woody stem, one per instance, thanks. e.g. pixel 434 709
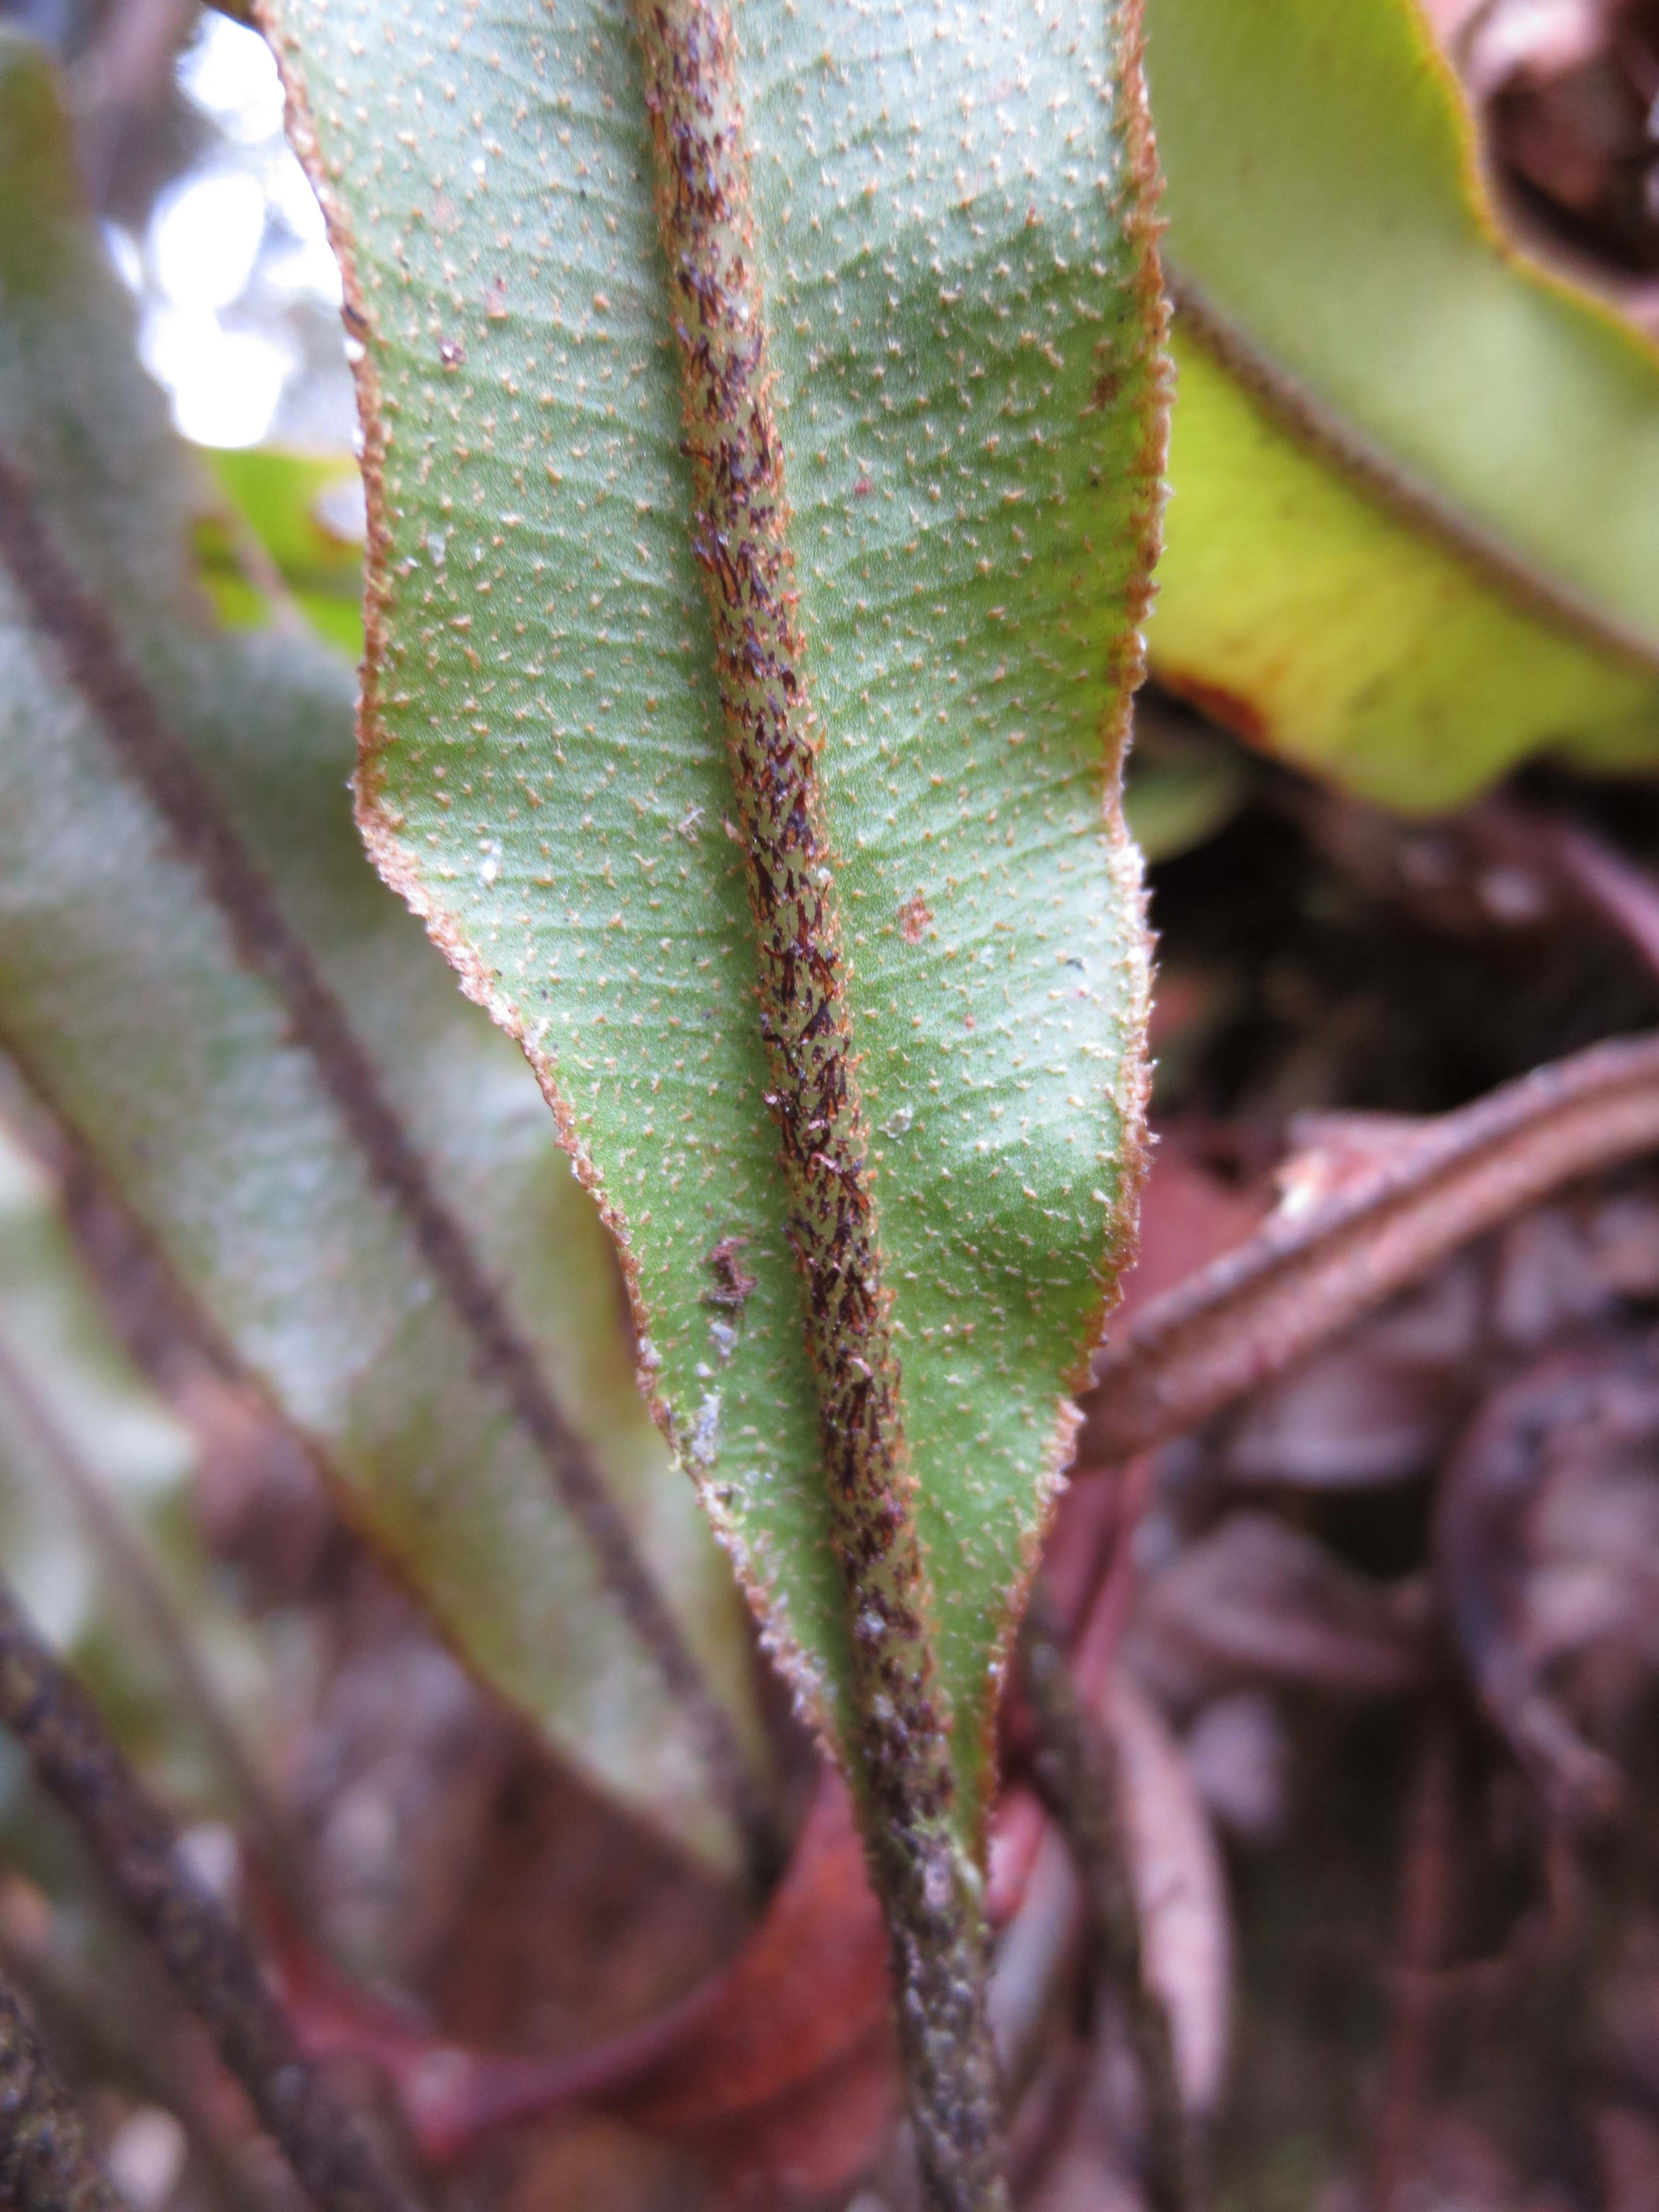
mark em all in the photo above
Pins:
pixel 897 1731
pixel 1306 1275
pixel 1077 1773
pixel 75 1763
pixel 123 2029
pixel 44 2162
pixel 1424 1882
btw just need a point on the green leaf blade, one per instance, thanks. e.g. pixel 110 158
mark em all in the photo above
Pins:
pixel 1338 133
pixel 546 779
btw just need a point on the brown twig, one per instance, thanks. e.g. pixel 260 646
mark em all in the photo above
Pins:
pixel 1624 896
pixel 74 1761
pixel 153 753
pixel 1076 1769
pixel 126 2028
pixel 1104 1615
pixel 1424 1886
pixel 1307 1274
pixel 44 2163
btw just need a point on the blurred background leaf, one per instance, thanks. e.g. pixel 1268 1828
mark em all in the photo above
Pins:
pixel 122 994
pixel 291 533
pixel 1415 530
pixel 96 1526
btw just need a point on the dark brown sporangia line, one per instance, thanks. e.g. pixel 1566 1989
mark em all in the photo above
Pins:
pixel 897 1746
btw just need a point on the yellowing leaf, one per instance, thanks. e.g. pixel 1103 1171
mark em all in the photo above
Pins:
pixel 1414 529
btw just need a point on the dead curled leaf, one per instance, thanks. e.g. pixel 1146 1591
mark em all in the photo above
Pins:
pixel 1180 1889
pixel 1544 1540
pixel 780 2067
pixel 1256 1600
pixel 1325 1258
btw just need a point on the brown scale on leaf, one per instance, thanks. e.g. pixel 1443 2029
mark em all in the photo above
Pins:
pixel 732 1280
pixel 913 917
pixel 897 1734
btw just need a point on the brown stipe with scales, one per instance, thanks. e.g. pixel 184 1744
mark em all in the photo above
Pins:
pixel 75 1763
pixel 45 2164
pixel 96 663
pixel 899 1747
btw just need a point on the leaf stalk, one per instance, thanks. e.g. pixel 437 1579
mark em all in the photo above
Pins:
pixel 1079 1777
pixel 74 1761
pixel 1310 1272
pixel 45 2164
